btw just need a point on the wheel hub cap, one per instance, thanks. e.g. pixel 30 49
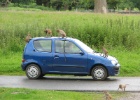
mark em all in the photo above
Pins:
pixel 32 71
pixel 99 73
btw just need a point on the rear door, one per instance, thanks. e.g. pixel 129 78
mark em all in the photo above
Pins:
pixel 43 54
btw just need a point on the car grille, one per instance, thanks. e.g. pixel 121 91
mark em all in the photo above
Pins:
pixel 117 69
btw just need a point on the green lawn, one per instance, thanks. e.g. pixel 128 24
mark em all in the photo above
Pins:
pixel 10 64
pixel 119 33
pixel 129 60
pixel 29 94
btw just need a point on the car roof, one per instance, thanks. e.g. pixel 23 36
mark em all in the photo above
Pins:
pixel 65 38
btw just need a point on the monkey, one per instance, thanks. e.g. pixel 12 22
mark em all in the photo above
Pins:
pixel 122 87
pixel 28 37
pixel 62 33
pixel 48 32
pixel 105 52
pixel 107 95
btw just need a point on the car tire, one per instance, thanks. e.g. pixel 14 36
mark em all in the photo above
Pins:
pixel 99 73
pixel 33 71
pixel 41 76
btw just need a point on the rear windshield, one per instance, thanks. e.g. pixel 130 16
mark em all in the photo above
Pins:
pixel 43 45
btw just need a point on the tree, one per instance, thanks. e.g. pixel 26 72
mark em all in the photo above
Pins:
pixel 125 4
pixel 100 6
pixel 46 3
pixel 112 4
pixel 66 4
pixel 136 3
pixel 57 4
pixel 39 2
pixel 85 4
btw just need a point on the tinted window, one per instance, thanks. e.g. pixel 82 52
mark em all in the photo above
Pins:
pixel 43 45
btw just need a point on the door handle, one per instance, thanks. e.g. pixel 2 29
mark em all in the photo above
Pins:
pixel 56 56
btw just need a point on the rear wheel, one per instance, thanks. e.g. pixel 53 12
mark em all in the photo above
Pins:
pixel 33 71
pixel 99 73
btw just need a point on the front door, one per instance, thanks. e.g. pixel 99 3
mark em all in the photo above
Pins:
pixel 68 58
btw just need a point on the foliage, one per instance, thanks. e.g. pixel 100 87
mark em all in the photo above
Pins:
pixel 118 33
pixel 100 30
pixel 136 3
pixel 112 4
pixel 125 4
pixel 77 4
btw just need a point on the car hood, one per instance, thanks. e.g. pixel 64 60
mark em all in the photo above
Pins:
pixel 111 58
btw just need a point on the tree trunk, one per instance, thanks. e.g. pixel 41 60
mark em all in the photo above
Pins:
pixel 100 6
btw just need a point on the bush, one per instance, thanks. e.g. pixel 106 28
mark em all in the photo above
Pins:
pixel 96 30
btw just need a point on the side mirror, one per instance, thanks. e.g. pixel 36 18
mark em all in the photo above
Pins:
pixel 81 53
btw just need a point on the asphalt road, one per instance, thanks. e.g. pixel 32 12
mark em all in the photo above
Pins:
pixel 71 83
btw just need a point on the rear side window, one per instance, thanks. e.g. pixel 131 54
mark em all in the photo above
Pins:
pixel 43 45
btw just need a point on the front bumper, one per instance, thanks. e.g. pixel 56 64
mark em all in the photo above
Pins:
pixel 117 69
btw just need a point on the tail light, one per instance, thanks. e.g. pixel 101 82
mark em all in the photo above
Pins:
pixel 23 60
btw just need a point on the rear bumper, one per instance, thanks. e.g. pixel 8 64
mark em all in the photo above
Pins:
pixel 23 67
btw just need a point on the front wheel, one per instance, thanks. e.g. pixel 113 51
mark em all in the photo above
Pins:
pixel 33 71
pixel 99 73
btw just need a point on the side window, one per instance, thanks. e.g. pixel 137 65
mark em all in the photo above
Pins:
pixel 59 46
pixel 43 45
pixel 71 48
pixel 66 46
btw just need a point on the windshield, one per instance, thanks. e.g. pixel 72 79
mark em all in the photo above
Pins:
pixel 84 46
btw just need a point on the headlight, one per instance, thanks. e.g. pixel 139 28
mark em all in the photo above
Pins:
pixel 113 62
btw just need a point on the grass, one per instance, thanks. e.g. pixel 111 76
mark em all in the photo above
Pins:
pixel 10 63
pixel 129 62
pixel 95 30
pixel 118 33
pixel 29 94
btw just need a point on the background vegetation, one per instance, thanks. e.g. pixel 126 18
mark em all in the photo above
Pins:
pixel 96 30
pixel 118 33
pixel 71 4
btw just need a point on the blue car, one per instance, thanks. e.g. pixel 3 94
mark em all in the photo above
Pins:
pixel 56 55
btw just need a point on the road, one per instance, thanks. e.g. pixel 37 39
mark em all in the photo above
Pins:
pixel 71 83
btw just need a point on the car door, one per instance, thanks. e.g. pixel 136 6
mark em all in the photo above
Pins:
pixel 43 54
pixel 68 58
